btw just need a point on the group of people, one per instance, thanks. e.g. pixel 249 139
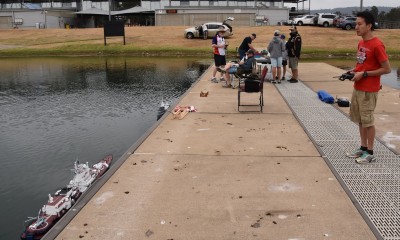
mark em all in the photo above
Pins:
pixel 372 62
pixel 280 51
pixel 246 60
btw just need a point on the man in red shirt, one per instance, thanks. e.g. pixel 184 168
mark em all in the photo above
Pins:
pixel 372 62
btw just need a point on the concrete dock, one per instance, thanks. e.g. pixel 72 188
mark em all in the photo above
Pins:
pixel 222 174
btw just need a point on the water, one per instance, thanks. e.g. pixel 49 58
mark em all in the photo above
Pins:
pixel 54 110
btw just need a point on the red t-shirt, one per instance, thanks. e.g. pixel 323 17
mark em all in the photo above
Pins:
pixel 369 57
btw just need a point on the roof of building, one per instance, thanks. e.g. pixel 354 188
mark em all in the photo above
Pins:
pixel 96 11
pixel 131 10
pixel 93 11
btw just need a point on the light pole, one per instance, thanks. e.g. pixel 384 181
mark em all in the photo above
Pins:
pixel 361 5
pixel 45 19
pixel 44 12
pixel 109 10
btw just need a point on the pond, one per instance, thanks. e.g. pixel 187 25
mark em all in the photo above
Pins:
pixel 57 110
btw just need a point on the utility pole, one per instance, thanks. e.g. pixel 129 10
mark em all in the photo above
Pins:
pixel 361 5
pixel 109 10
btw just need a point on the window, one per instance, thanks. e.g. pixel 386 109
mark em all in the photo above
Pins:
pixel 184 3
pixel 213 26
pixel 328 16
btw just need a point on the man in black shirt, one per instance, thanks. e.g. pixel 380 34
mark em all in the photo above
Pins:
pixel 293 47
pixel 246 45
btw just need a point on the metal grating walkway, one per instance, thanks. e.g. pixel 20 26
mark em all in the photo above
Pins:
pixel 376 186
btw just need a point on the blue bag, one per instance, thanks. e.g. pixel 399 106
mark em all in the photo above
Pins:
pixel 325 96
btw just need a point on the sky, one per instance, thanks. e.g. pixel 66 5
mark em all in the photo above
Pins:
pixel 328 4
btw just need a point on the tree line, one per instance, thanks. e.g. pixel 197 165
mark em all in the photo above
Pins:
pixel 381 16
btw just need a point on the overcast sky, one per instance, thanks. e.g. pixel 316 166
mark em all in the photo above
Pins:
pixel 325 4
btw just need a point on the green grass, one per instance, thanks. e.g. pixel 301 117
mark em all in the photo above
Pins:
pixel 118 49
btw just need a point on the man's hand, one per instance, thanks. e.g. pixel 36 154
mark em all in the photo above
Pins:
pixel 357 76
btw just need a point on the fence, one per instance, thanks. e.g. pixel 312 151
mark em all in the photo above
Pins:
pixel 389 24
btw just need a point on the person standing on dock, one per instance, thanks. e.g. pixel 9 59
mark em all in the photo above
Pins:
pixel 372 62
pixel 293 47
pixel 246 45
pixel 218 45
pixel 276 48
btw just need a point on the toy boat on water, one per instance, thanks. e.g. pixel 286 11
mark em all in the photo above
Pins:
pixel 162 109
pixel 62 200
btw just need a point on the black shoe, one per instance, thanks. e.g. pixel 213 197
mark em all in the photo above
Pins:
pixel 293 80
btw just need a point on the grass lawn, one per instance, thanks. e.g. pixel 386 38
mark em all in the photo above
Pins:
pixel 318 42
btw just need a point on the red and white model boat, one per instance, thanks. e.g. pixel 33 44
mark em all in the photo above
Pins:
pixel 65 198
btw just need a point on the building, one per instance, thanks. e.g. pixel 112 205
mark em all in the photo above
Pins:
pixel 83 13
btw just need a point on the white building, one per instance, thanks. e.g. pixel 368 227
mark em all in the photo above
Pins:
pixel 65 13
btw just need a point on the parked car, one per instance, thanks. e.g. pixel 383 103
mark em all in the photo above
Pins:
pixel 347 23
pixel 304 20
pixel 209 29
pixel 324 19
pixel 337 19
pixel 285 22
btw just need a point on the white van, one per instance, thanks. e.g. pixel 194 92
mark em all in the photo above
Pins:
pixel 324 19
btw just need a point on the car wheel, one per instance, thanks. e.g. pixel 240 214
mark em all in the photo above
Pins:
pixel 326 24
pixel 205 35
pixel 189 35
pixel 300 23
pixel 348 27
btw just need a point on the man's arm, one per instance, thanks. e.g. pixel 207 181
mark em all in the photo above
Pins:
pixel 384 69
pixel 251 47
pixel 297 45
pixel 215 45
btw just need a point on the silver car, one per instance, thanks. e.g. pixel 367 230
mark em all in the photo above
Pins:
pixel 208 30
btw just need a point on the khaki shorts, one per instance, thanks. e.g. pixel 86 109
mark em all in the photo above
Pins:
pixel 293 62
pixel 362 107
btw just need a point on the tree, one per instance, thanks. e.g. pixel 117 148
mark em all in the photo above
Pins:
pixel 374 11
pixel 393 15
pixel 381 16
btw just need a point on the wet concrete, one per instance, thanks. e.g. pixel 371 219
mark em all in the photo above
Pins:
pixel 221 174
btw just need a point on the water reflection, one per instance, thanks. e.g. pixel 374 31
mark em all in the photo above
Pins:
pixel 54 110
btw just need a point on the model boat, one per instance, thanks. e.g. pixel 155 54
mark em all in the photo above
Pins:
pixel 62 200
